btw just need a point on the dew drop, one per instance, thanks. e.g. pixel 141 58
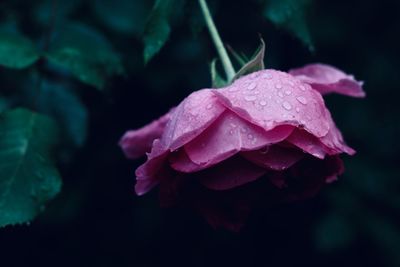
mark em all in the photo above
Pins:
pixel 302 88
pixel 209 106
pixel 251 86
pixel 250 98
pixel 291 83
pixel 254 75
pixel 286 105
pixel 298 110
pixel 288 92
pixel 264 150
pixel 303 122
pixel 280 94
pixel 233 125
pixel 250 136
pixel 302 100
pixel 263 103
pixel 231 132
pixel 267 76
pixel 243 130
pixel 278 86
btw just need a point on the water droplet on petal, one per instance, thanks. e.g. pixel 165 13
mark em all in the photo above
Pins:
pixel 280 94
pixel 264 150
pixel 286 105
pixel 233 89
pixel 303 122
pixel 278 86
pixel 302 100
pixel 250 98
pixel 209 106
pixel 243 130
pixel 298 110
pixel 250 136
pixel 288 92
pixel 251 86
pixel 233 125
pixel 267 76
pixel 302 88
pixel 263 103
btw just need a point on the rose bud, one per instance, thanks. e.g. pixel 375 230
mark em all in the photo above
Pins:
pixel 267 137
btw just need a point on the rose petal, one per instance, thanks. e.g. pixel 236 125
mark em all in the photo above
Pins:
pixel 136 143
pixel 180 162
pixel 334 140
pixel 308 143
pixel 269 98
pixel 274 157
pixel 190 118
pixel 228 135
pixel 231 173
pixel 153 170
pixel 327 79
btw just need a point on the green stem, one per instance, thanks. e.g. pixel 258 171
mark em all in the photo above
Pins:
pixel 223 55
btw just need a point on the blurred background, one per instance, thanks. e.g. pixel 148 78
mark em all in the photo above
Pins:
pixel 97 220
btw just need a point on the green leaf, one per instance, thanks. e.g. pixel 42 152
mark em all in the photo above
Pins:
pixel 127 17
pixel 216 78
pixel 17 51
pixel 158 27
pixel 256 63
pixel 291 16
pixel 86 54
pixel 28 177
pixel 60 101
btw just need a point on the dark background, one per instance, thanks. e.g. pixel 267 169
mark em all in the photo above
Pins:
pixel 98 221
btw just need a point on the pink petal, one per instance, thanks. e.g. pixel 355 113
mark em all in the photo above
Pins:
pixel 180 162
pixel 274 157
pixel 136 143
pixel 231 173
pixel 327 79
pixel 269 98
pixel 308 143
pixel 153 170
pixel 228 135
pixel 191 118
pixel 334 140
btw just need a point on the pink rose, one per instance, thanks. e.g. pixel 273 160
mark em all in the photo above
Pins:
pixel 268 136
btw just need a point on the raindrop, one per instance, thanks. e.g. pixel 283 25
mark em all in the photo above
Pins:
pixel 267 76
pixel 298 110
pixel 288 92
pixel 303 122
pixel 263 103
pixel 302 100
pixel 233 125
pixel 278 86
pixel 302 88
pixel 264 150
pixel 231 132
pixel 251 86
pixel 286 105
pixel 254 75
pixel 250 136
pixel 250 98
pixel 209 106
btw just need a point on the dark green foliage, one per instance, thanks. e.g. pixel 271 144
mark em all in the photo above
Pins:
pixel 86 54
pixel 158 27
pixel 291 16
pixel 28 176
pixel 16 51
pixel 126 16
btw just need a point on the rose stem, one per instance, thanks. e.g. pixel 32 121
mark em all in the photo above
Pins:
pixel 223 55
